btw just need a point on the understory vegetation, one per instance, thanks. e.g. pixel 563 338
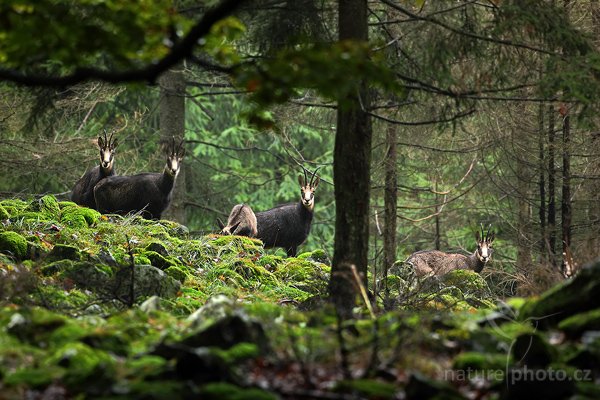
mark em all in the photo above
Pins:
pixel 118 307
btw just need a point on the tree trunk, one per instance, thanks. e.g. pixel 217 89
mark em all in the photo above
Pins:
pixel 551 189
pixel 351 175
pixel 391 201
pixel 542 181
pixel 172 125
pixel 566 214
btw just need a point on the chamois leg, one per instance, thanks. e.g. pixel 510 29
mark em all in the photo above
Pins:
pixel 291 252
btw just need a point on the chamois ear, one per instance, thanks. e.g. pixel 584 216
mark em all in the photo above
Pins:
pixel 477 237
pixel 114 144
pixel 300 181
pixel 100 142
pixel 315 183
pixel 491 238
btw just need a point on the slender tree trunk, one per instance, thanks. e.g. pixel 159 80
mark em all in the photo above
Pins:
pixel 438 233
pixel 542 181
pixel 566 210
pixel 351 175
pixel 172 125
pixel 551 188
pixel 391 202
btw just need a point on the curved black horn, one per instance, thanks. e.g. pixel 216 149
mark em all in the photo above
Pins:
pixel 487 235
pixel 305 177
pixel 313 176
pixel 180 147
pixel 105 139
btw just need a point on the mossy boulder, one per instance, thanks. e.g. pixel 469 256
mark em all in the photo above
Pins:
pixel 158 260
pixel 64 252
pixel 582 293
pixel 317 255
pixel 79 217
pixel 57 267
pixel 47 205
pixel 577 324
pixel 14 244
pixel 177 273
pixel 469 282
pixel 305 275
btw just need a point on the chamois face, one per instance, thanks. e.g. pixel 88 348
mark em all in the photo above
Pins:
pixel 174 157
pixel 307 190
pixel 484 247
pixel 107 151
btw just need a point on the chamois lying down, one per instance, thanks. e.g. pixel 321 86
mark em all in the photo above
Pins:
pixel 148 193
pixel 241 221
pixel 437 263
pixel 288 225
pixel 83 191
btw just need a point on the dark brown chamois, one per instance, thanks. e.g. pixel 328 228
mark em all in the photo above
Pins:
pixel 288 225
pixel 241 221
pixel 437 263
pixel 83 191
pixel 148 193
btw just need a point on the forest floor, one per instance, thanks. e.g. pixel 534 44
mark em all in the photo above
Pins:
pixel 109 307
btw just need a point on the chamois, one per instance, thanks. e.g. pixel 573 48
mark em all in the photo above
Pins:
pixel 241 221
pixel 437 263
pixel 148 193
pixel 288 225
pixel 83 191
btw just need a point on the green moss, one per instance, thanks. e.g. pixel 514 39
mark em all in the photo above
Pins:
pixel 177 274
pixel 47 205
pixel 3 213
pixel 13 243
pixel 158 260
pixel 79 217
pixel 56 267
pixel 480 361
pixel 14 206
pixel 579 323
pixel 469 282
pixel 64 251
pixel 65 204
pixel 228 391
pixel 318 255
pixel 84 365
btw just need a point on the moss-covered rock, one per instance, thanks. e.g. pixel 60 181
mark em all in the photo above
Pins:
pixel 177 273
pixel 79 217
pixel 13 244
pixel 158 260
pixel 469 282
pixel 582 293
pixel 47 205
pixel 575 325
pixel 64 252
pixel 57 267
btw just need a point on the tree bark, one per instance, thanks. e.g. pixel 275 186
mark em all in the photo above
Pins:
pixel 566 210
pixel 542 181
pixel 172 125
pixel 551 189
pixel 351 175
pixel 390 203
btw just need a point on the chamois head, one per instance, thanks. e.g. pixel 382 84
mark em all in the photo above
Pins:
pixel 107 151
pixel 484 245
pixel 174 157
pixel 307 189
